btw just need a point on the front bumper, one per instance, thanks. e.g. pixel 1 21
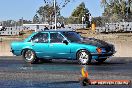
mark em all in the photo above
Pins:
pixel 103 55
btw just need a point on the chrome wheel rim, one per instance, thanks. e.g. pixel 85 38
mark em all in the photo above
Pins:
pixel 29 55
pixel 83 57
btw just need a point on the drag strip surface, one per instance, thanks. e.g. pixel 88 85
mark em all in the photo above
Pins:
pixel 14 73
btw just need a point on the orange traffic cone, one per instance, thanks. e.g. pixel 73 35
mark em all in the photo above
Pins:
pixel 84 79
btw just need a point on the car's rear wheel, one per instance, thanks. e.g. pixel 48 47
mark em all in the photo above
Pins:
pixel 84 57
pixel 101 60
pixel 29 56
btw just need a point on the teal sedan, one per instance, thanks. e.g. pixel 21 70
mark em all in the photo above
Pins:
pixel 48 45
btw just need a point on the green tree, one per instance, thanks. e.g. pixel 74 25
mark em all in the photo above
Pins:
pixel 46 13
pixel 61 3
pixel 78 13
pixel 104 3
pixel 116 10
pixel 36 19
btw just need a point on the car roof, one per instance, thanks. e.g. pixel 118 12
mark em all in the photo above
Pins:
pixel 58 30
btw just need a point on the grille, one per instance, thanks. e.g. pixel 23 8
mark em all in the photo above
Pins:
pixel 109 48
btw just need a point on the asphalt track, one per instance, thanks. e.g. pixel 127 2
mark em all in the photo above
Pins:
pixel 15 73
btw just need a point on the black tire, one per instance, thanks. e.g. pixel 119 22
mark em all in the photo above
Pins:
pixel 29 56
pixel 101 60
pixel 46 60
pixel 86 59
pixel 84 82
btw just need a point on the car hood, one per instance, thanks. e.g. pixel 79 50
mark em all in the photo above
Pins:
pixel 98 43
pixel 95 42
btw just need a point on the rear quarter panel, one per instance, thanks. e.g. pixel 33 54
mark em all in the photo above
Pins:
pixel 17 47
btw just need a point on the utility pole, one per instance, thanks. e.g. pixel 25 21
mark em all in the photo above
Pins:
pixel 55 13
pixel 22 21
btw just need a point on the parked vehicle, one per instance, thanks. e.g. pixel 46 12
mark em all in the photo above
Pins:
pixel 62 45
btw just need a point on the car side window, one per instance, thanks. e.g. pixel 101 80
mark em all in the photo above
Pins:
pixel 40 38
pixel 56 38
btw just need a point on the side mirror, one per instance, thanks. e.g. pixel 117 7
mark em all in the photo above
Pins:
pixel 66 42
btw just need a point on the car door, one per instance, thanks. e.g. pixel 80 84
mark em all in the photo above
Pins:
pixel 57 48
pixel 40 44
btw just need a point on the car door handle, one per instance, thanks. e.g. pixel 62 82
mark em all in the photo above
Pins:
pixel 33 44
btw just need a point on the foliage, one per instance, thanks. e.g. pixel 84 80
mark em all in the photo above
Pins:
pixel 46 13
pixel 61 3
pixel 36 19
pixel 100 21
pixel 11 23
pixel 79 12
pixel 116 10
pixel 7 23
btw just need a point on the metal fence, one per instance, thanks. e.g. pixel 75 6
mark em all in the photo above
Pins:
pixel 76 26
pixel 116 27
pixel 12 30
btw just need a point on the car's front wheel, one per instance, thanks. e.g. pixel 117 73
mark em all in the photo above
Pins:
pixel 84 57
pixel 29 56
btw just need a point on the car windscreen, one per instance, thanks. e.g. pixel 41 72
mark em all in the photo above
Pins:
pixel 72 36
